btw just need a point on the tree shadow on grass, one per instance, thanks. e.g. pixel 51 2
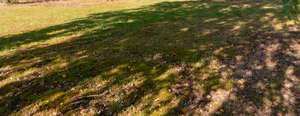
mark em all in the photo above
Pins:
pixel 170 58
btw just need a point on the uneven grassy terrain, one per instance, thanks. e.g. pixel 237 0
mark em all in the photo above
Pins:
pixel 159 57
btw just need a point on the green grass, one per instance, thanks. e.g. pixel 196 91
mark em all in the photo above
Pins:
pixel 162 57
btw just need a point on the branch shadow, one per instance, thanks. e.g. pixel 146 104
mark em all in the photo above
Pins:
pixel 171 58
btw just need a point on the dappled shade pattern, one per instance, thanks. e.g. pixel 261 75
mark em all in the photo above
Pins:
pixel 170 58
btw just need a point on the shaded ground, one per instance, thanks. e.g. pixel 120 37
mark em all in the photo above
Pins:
pixel 171 58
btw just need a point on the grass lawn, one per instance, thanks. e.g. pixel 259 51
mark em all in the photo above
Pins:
pixel 152 57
